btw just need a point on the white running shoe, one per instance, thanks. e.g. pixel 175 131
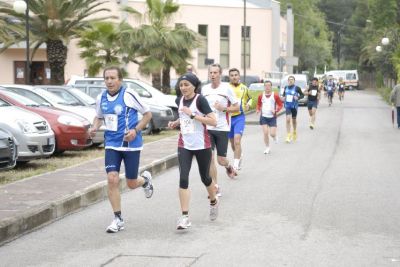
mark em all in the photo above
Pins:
pixel 183 223
pixel 267 150
pixel 275 139
pixel 148 190
pixel 214 211
pixel 116 225
pixel 240 162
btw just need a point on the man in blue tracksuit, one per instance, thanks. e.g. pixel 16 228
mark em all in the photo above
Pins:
pixel 118 108
pixel 291 95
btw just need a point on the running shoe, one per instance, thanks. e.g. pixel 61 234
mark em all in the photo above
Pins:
pixel 294 136
pixel 275 139
pixel 116 225
pixel 230 171
pixel 267 150
pixel 288 138
pixel 218 191
pixel 312 126
pixel 183 223
pixel 148 189
pixel 214 211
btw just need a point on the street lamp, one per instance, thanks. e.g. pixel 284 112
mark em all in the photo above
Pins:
pixel 385 41
pixel 21 7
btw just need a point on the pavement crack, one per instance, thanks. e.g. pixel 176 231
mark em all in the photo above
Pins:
pixel 321 180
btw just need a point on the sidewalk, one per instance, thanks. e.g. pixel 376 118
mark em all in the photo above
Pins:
pixel 36 201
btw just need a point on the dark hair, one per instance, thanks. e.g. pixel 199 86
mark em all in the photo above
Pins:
pixel 314 79
pixel 268 81
pixel 218 66
pixel 233 69
pixel 119 71
pixel 291 76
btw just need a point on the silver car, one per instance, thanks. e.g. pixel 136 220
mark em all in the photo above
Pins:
pixel 43 97
pixel 8 150
pixel 32 132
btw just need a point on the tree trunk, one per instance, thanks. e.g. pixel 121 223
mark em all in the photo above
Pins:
pixel 166 80
pixel 156 80
pixel 57 58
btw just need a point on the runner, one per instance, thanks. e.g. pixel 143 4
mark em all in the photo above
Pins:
pixel 268 105
pixel 118 107
pixel 291 95
pixel 194 140
pixel 222 101
pixel 238 119
pixel 341 88
pixel 313 93
pixel 330 88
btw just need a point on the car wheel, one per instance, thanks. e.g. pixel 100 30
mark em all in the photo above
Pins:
pixel 149 128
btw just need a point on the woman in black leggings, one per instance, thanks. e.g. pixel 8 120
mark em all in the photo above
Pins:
pixel 194 140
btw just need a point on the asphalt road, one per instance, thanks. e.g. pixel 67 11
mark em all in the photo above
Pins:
pixel 330 199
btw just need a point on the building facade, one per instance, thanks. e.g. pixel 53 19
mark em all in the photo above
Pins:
pixel 221 22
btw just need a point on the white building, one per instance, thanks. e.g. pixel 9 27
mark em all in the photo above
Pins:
pixel 219 21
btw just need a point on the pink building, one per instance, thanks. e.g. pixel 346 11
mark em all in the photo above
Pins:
pixel 219 21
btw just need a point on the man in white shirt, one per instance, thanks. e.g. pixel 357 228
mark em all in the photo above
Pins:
pixel 222 101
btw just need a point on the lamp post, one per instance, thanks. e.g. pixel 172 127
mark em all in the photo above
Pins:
pixel 244 41
pixel 21 6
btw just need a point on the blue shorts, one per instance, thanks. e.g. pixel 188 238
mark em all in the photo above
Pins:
pixel 237 125
pixel 312 104
pixel 271 122
pixel 113 159
pixel 330 93
pixel 291 111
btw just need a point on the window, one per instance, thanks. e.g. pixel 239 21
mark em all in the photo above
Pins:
pixel 246 42
pixel 203 49
pixel 224 46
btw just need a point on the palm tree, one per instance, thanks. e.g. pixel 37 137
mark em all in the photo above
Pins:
pixel 102 45
pixel 55 23
pixel 159 46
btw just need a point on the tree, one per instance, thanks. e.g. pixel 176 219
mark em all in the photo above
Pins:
pixel 102 46
pixel 311 36
pixel 55 23
pixel 159 46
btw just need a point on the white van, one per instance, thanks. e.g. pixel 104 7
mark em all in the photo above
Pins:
pixel 350 77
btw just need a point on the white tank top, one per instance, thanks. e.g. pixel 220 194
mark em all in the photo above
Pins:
pixel 194 134
pixel 268 106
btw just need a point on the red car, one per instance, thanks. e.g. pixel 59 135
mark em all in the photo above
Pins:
pixel 70 130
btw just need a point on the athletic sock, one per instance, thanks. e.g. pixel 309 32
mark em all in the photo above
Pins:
pixel 236 163
pixel 118 214
pixel 213 202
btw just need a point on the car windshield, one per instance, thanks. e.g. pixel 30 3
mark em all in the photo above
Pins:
pixel 67 96
pixel 22 99
pixel 31 95
pixel 85 97
pixel 149 88
pixel 4 103
pixel 52 98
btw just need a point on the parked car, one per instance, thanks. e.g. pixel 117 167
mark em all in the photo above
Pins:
pixel 70 130
pixel 161 114
pixel 72 96
pixel 42 97
pixel 32 132
pixel 8 150
pixel 301 81
pixel 149 94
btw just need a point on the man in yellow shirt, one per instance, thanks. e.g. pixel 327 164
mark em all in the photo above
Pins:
pixel 238 119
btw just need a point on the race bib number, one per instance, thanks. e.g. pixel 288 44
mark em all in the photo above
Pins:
pixel 187 126
pixel 314 92
pixel 111 122
pixel 289 98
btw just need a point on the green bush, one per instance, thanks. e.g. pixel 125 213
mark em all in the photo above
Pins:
pixel 385 93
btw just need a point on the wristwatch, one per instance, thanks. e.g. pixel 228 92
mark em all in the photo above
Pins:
pixel 193 115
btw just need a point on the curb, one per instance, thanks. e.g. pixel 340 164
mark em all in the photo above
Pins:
pixel 12 228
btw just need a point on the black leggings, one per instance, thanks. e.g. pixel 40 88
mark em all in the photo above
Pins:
pixel 203 158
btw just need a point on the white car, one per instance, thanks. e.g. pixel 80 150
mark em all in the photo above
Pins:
pixel 44 97
pixel 149 94
pixel 32 132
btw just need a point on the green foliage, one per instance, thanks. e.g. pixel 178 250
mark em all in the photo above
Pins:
pixel 385 94
pixel 102 46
